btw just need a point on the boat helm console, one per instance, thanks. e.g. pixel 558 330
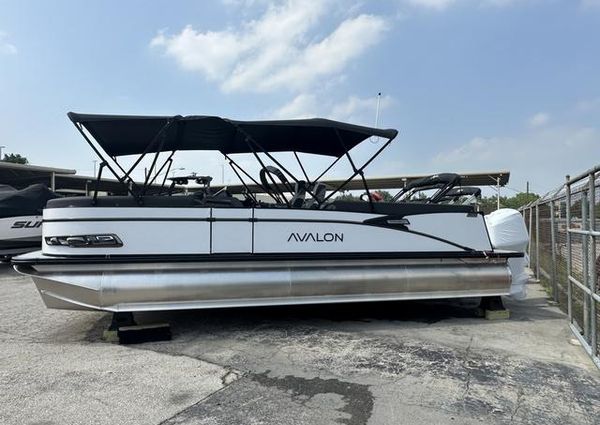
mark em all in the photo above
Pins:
pixel 201 250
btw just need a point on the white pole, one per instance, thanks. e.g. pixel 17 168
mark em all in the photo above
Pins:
pixel 95 161
pixel 498 193
pixel 377 110
pixel 376 139
pixel 1 147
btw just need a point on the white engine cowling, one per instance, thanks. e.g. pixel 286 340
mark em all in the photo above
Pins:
pixel 508 232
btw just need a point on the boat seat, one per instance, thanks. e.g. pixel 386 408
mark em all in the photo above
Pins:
pixel 299 194
pixel 397 208
pixel 221 200
pixel 319 190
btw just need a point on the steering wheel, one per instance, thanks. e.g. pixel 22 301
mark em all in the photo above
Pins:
pixel 274 190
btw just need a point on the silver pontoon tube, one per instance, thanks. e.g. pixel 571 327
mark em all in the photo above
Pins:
pixel 177 286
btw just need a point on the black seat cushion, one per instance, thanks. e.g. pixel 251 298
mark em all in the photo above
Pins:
pixel 175 201
pixel 398 208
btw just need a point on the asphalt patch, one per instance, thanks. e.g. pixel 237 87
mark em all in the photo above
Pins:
pixel 260 398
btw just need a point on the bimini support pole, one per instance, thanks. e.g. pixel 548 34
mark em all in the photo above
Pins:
pixel 302 168
pixel 365 165
pixel 356 171
pixel 79 128
pixel 250 140
pixel 95 199
pixel 233 166
pixel 169 160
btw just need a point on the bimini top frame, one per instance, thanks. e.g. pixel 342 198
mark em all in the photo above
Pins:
pixel 443 182
pixel 118 135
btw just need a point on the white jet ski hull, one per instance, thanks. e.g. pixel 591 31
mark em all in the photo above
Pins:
pixel 20 234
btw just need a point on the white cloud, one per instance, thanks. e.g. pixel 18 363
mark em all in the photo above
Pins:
pixel 588 105
pixel 432 4
pixel 354 109
pixel 538 120
pixel 590 3
pixel 440 5
pixel 499 3
pixel 277 50
pixel 5 46
pixel 359 110
pixel 543 156
pixel 243 3
pixel 302 106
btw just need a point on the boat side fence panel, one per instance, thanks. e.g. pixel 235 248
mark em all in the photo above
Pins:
pixel 564 253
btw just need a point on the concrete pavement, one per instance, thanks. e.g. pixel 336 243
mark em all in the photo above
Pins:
pixel 380 363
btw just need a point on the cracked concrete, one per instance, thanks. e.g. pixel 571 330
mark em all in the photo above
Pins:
pixel 410 362
pixel 51 374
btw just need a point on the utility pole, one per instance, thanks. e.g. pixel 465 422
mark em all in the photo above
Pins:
pixel 527 190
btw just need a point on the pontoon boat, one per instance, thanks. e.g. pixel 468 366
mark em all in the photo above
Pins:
pixel 147 252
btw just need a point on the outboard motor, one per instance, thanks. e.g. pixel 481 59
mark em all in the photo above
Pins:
pixel 508 232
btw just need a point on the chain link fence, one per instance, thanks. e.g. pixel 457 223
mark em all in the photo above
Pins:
pixel 564 248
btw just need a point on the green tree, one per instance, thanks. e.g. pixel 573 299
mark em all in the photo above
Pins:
pixel 387 196
pixel 15 158
pixel 347 196
pixel 518 200
pixel 490 203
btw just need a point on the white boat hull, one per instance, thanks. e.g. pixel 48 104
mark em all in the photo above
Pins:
pixel 194 231
pixel 187 258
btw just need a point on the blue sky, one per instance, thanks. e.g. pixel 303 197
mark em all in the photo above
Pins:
pixel 472 85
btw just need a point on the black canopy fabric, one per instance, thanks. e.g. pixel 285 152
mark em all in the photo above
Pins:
pixel 28 201
pixel 7 188
pixel 128 135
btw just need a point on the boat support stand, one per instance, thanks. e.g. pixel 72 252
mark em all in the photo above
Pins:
pixel 492 308
pixel 123 329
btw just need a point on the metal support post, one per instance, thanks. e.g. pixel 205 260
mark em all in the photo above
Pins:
pixel 497 193
pixel 585 243
pixel 553 244
pixel 569 256
pixel 537 241
pixel 530 235
pixel 592 266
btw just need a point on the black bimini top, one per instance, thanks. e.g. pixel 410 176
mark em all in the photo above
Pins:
pixel 129 135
